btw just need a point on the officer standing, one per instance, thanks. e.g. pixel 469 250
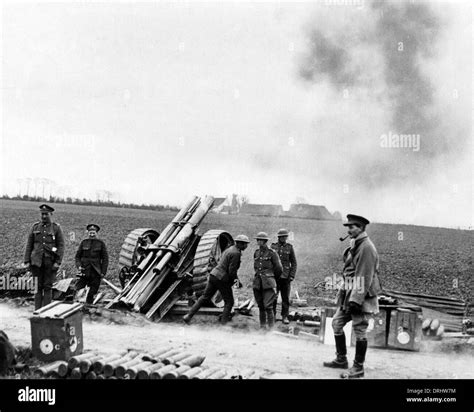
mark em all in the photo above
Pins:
pixel 221 279
pixel 357 299
pixel 92 260
pixel 287 256
pixel 44 254
pixel 268 268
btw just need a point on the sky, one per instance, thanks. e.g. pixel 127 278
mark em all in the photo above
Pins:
pixel 158 101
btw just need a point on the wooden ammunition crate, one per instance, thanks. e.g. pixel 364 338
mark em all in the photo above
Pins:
pixel 56 331
pixel 405 329
pixel 377 331
pixel 326 334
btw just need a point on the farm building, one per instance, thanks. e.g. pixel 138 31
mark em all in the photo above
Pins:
pixel 219 204
pixel 261 210
pixel 306 211
pixel 226 205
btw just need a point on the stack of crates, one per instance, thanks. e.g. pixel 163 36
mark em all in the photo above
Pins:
pixel 397 327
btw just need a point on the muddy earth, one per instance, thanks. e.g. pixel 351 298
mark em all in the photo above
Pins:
pixel 240 345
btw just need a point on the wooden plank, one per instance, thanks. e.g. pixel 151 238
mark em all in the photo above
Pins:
pixel 178 311
pixel 285 335
pixel 420 295
pixel 452 335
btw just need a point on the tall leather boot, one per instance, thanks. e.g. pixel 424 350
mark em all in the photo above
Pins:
pixel 47 296
pixel 263 318
pixel 357 369
pixel 341 354
pixel 226 314
pixel 187 318
pixel 270 318
pixel 38 299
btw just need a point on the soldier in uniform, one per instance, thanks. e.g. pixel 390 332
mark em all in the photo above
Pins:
pixel 92 260
pixel 268 269
pixel 287 256
pixel 221 279
pixel 357 299
pixel 44 253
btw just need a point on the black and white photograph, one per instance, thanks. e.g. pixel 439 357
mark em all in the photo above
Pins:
pixel 249 201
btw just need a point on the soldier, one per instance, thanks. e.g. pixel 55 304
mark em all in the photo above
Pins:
pixel 44 253
pixel 221 279
pixel 92 260
pixel 267 269
pixel 7 354
pixel 357 299
pixel 287 256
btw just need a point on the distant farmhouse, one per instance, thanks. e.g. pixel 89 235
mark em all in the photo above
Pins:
pixel 261 210
pixel 224 205
pixel 305 211
pixel 219 204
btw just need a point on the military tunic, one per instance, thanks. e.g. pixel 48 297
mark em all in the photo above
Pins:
pixel 267 267
pixel 45 240
pixel 92 257
pixel 287 256
pixel 361 285
pixel 44 252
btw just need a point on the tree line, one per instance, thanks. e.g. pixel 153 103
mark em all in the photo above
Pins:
pixel 88 202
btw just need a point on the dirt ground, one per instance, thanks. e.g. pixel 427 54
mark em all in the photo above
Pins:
pixel 241 345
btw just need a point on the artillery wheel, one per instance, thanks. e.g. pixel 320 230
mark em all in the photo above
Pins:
pixel 208 254
pixel 129 253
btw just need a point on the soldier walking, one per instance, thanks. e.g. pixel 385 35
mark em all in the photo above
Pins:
pixel 44 254
pixel 267 269
pixel 287 256
pixel 92 260
pixel 357 299
pixel 221 279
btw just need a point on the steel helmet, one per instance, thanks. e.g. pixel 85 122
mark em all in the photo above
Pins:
pixel 262 236
pixel 242 238
pixel 283 232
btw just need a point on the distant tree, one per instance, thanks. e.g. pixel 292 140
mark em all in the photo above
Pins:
pixel 28 183
pixel 244 200
pixel 19 183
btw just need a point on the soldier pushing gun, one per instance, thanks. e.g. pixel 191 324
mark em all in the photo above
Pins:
pixel 221 279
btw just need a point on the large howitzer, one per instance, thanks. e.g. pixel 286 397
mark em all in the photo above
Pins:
pixel 170 264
